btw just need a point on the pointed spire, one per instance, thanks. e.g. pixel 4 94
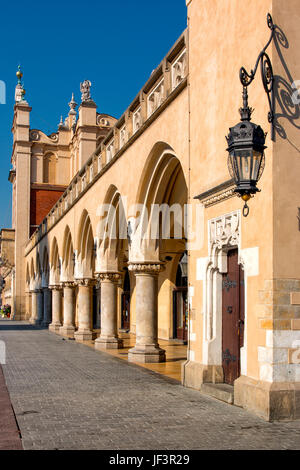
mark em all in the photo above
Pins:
pixel 61 124
pixel 72 106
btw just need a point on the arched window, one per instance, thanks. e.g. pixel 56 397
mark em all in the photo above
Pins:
pixel 49 170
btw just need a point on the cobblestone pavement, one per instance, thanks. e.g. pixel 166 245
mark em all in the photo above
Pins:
pixel 67 396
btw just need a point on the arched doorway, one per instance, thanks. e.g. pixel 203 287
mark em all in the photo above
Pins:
pixel 125 305
pixel 180 301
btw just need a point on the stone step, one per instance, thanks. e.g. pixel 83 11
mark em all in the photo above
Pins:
pixel 223 392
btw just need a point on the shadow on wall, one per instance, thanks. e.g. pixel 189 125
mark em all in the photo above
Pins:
pixel 285 95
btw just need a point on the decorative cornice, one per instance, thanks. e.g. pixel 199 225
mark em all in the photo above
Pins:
pixel 48 187
pixel 217 194
pixel 219 198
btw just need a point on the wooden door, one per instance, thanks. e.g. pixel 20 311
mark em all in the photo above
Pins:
pixel 180 313
pixel 125 313
pixel 232 318
pixel 96 308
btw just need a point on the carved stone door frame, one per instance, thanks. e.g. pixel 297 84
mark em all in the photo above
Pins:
pixel 224 234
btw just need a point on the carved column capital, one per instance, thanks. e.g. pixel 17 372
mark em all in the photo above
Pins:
pixel 146 268
pixel 55 286
pixel 109 276
pixel 85 282
pixel 68 284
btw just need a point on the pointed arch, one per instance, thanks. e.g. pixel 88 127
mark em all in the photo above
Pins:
pixel 67 261
pixel 54 263
pixel 45 268
pixel 27 276
pixel 32 275
pixel 161 196
pixel 38 272
pixel 85 262
pixel 111 231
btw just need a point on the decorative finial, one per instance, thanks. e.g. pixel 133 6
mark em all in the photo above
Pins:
pixel 61 124
pixel 72 105
pixel 85 90
pixel 19 74
pixel 19 91
pixel 245 111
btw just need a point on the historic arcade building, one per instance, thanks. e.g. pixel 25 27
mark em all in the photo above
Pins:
pixel 134 224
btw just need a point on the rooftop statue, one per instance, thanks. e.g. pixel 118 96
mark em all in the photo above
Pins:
pixel 85 90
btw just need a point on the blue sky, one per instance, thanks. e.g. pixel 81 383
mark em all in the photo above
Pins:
pixel 115 44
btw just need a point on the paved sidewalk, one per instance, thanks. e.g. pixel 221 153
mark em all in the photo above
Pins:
pixel 68 396
pixel 9 433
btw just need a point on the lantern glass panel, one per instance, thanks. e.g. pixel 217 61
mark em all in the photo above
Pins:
pixel 257 160
pixel 244 164
pixel 232 166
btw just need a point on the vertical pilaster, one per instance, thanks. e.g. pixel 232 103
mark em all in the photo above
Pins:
pixel 87 130
pixel 21 161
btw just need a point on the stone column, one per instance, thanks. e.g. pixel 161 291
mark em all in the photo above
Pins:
pixel 146 348
pixel 108 338
pixel 84 332
pixel 56 308
pixel 40 307
pixel 68 327
pixel 33 317
pixel 47 307
pixel 28 306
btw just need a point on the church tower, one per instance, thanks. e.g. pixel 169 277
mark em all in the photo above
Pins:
pixel 19 176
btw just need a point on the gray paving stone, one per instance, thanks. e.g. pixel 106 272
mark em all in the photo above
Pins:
pixel 67 396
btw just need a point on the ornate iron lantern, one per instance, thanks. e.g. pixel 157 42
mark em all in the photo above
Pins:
pixel 246 140
pixel 246 159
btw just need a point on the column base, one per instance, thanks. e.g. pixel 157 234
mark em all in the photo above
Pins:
pixel 54 327
pixel 108 343
pixel 83 335
pixel 146 354
pixel 271 401
pixel 67 330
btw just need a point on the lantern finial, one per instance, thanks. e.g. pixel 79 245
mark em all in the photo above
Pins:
pixel 245 111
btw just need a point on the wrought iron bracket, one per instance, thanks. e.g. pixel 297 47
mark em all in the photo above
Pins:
pixel 266 72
